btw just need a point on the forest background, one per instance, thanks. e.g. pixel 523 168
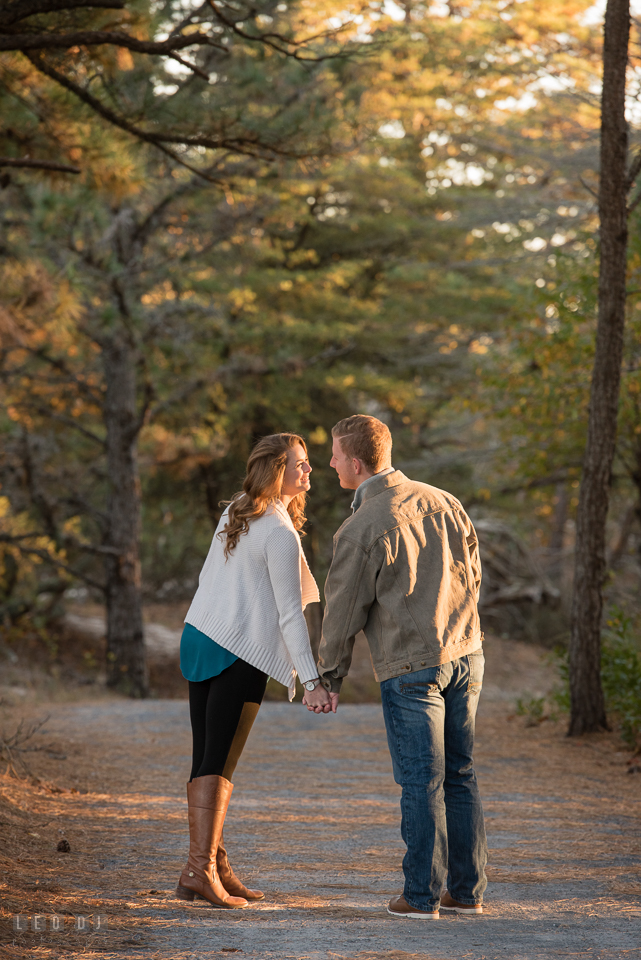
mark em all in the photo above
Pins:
pixel 333 208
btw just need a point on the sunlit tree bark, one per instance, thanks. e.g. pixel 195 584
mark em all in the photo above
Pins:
pixel 587 701
pixel 126 666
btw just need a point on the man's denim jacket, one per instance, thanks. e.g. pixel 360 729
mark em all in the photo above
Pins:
pixel 406 570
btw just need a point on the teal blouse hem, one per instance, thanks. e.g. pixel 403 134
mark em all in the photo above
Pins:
pixel 201 657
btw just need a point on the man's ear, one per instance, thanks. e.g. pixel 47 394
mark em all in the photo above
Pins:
pixel 358 466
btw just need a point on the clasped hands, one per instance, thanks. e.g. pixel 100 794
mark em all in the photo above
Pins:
pixel 320 700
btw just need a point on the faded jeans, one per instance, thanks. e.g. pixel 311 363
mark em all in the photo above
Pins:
pixel 429 716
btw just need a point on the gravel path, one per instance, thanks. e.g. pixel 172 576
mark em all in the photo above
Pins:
pixel 314 820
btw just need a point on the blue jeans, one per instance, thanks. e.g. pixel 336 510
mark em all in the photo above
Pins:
pixel 429 717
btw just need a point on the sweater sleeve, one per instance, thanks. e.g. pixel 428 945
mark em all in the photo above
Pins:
pixel 283 563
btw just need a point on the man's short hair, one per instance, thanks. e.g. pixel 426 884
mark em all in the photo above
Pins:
pixel 365 438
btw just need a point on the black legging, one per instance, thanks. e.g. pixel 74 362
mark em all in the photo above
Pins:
pixel 222 711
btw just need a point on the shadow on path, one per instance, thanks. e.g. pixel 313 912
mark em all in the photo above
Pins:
pixel 314 820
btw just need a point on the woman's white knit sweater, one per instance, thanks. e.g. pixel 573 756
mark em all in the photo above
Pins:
pixel 252 603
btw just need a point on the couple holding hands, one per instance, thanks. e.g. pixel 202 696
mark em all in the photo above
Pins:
pixel 406 571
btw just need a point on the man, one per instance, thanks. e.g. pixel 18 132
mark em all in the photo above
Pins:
pixel 406 570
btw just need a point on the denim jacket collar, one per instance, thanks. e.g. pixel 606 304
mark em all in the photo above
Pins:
pixel 361 491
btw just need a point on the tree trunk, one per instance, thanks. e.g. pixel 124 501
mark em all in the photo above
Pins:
pixel 636 478
pixel 126 665
pixel 586 694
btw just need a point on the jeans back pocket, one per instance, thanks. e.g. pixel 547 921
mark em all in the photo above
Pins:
pixel 476 664
pixel 421 683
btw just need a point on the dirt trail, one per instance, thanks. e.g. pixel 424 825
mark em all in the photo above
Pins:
pixel 314 821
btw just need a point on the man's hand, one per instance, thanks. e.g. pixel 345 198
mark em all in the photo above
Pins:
pixel 318 700
pixel 334 698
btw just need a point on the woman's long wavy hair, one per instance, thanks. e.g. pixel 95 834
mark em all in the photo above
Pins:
pixel 262 485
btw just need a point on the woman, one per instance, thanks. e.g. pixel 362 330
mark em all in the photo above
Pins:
pixel 245 624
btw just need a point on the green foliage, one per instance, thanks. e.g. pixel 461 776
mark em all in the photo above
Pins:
pixel 561 692
pixel 620 675
pixel 437 268
pixel 533 710
pixel 253 81
pixel 32 581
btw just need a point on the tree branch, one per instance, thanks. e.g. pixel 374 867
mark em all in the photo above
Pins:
pixel 112 117
pixel 97 549
pixel 60 418
pixel 175 41
pixel 588 188
pixel 190 66
pixel 256 365
pixel 38 496
pixel 38 165
pixel 535 482
pixel 634 203
pixel 143 229
pixel 633 172
pixel 149 394
pixel 281 43
pixel 62 368
pixel 195 12
pixel 16 539
pixel 251 147
pixel 47 558
pixel 78 502
pixel 564 473
pixel 330 353
pixel 21 9
pixel 96 38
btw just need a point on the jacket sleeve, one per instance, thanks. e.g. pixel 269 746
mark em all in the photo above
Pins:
pixel 350 590
pixel 475 556
pixel 283 564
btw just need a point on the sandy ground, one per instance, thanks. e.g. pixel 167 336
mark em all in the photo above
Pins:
pixel 314 820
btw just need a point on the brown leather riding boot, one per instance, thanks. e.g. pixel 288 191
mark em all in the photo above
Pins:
pixel 207 801
pixel 228 878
